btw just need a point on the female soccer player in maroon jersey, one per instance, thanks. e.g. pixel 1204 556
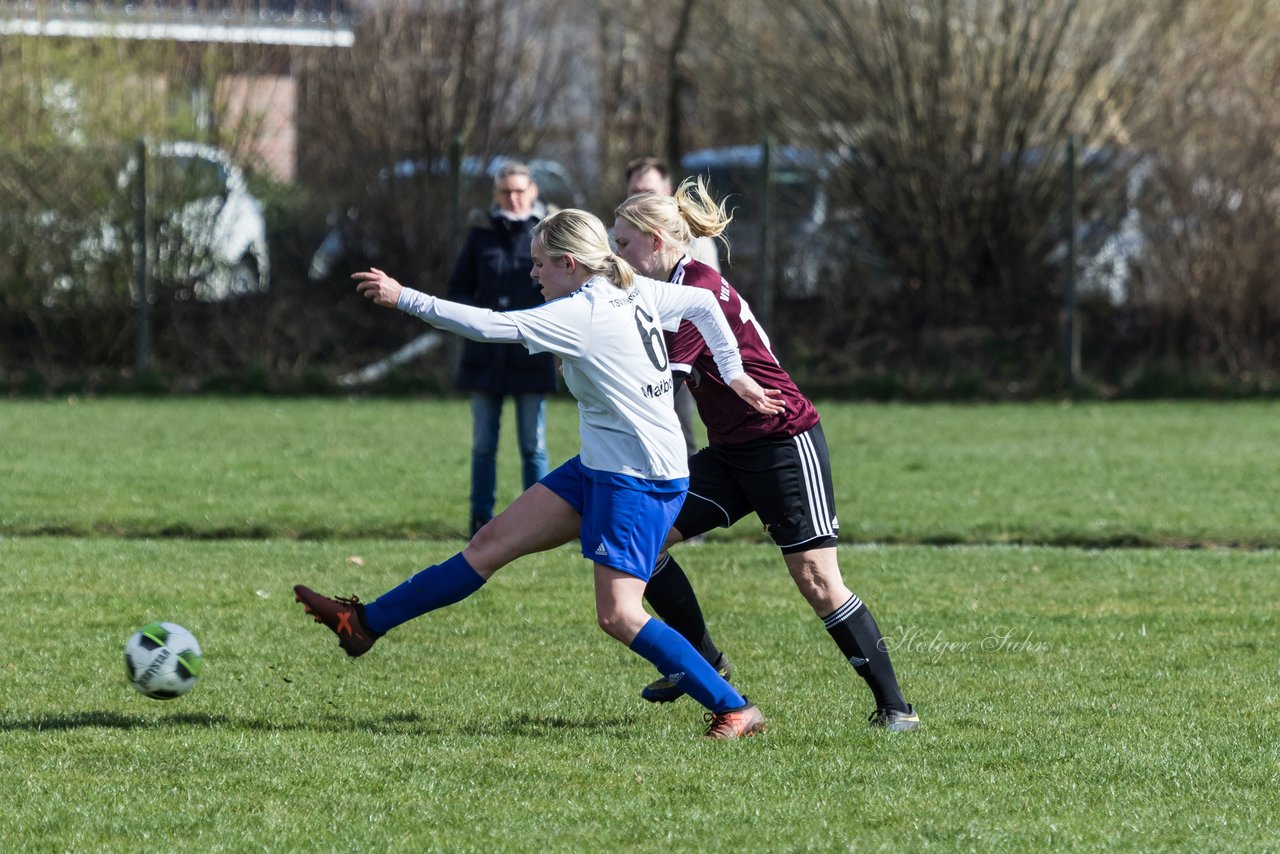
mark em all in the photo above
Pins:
pixel 776 466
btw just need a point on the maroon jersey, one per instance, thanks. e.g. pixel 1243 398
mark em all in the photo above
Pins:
pixel 731 420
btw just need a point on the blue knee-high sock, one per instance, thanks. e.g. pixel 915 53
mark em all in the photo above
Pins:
pixel 432 588
pixel 676 659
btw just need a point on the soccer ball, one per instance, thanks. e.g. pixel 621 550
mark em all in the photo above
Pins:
pixel 162 660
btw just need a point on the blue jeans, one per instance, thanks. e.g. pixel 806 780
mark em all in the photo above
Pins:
pixel 531 435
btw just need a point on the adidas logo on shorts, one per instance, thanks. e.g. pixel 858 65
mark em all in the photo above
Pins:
pixel 601 551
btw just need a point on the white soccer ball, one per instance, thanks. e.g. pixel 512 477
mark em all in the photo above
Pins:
pixel 163 660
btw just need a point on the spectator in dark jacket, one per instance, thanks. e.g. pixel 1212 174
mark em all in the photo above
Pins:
pixel 492 271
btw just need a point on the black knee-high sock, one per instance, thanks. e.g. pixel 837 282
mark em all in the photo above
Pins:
pixel 673 600
pixel 855 631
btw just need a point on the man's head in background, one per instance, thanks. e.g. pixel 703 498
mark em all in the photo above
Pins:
pixel 514 190
pixel 648 175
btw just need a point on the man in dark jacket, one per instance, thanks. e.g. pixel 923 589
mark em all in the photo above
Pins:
pixel 492 271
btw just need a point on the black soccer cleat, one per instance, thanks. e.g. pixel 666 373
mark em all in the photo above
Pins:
pixel 894 720
pixel 665 691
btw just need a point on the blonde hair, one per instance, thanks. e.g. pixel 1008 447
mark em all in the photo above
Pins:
pixel 690 213
pixel 582 235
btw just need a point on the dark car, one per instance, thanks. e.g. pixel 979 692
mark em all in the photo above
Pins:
pixel 797 210
pixel 813 241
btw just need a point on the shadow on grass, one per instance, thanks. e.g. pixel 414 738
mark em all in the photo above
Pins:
pixel 403 723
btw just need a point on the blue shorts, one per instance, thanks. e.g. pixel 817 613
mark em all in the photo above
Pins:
pixel 625 520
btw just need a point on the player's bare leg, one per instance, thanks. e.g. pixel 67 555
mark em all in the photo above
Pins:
pixel 537 521
pixel 619 608
pixel 621 614
pixel 816 573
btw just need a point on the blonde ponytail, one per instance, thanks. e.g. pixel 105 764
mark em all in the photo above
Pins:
pixel 624 275
pixel 691 212
pixel 706 217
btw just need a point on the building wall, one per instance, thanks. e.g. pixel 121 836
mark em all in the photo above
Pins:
pixel 261 110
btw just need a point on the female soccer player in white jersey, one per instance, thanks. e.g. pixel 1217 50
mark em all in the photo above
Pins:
pixel 622 492
pixel 773 463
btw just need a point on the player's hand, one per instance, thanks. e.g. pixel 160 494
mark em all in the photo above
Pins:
pixel 766 401
pixel 379 287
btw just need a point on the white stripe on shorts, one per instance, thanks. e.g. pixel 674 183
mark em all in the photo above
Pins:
pixel 815 490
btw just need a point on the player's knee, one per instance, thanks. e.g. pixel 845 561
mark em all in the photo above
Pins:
pixel 488 551
pixel 804 571
pixel 623 621
pixel 484 539
pixel 817 579
pixel 612 624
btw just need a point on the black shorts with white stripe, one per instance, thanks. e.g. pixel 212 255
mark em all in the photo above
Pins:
pixel 785 481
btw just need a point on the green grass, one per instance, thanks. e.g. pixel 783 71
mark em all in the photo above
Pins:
pixel 1075 698
pixel 1071 698
pixel 1091 474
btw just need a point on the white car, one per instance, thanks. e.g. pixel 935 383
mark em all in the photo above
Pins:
pixel 210 233
pixel 207 236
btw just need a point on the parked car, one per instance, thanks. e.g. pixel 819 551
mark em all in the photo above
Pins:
pixel 1109 238
pixel 210 232
pixel 357 237
pixel 73 231
pixel 799 209
pixel 816 241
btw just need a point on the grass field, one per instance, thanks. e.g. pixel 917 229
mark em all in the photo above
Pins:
pixel 1076 693
pixel 1092 474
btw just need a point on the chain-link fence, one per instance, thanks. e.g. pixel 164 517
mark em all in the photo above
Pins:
pixel 92 238
pixel 133 261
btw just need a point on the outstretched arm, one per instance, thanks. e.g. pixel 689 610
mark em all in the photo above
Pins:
pixel 379 287
pixel 478 324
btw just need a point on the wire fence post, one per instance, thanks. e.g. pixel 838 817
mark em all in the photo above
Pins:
pixel 764 273
pixel 457 147
pixel 143 359
pixel 1071 342
pixel 455 195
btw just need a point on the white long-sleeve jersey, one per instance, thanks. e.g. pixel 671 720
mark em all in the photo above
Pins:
pixel 610 342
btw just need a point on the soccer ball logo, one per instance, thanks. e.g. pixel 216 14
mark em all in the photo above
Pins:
pixel 163 660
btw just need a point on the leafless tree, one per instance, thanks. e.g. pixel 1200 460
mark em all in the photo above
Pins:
pixel 964 108
pixel 420 76
pixel 940 126
pixel 650 60
pixel 1210 207
pixel 948 121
